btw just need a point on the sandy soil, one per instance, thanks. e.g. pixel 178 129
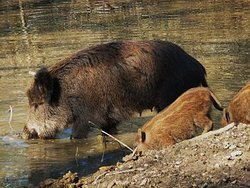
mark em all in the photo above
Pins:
pixel 216 159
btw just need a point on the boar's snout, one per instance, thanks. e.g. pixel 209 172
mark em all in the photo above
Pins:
pixel 29 134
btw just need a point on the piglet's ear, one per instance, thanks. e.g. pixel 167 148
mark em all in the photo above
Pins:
pixel 142 135
pixel 42 87
pixel 226 115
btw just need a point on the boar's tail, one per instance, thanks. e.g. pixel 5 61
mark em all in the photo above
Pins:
pixel 204 82
pixel 216 102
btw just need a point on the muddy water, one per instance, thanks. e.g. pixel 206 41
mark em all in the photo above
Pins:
pixel 36 33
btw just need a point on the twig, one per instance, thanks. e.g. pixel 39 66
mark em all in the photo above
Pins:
pixel 103 153
pixel 98 177
pixel 10 119
pixel 134 152
pixel 114 173
pixel 103 147
pixel 112 136
pixel 124 171
pixel 76 157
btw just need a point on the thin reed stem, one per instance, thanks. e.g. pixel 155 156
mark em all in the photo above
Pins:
pixel 104 132
pixel 10 119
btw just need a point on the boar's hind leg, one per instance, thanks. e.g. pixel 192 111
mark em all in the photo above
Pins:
pixel 110 126
pixel 80 129
pixel 203 122
pixel 167 95
pixel 162 101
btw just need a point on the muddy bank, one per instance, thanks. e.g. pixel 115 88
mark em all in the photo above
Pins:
pixel 210 160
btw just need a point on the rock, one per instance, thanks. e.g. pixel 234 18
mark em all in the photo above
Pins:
pixel 178 162
pixel 217 165
pixel 232 147
pixel 143 182
pixel 235 154
pixel 202 154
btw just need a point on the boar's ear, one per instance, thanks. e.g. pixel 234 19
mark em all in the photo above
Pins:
pixel 44 84
pixel 42 88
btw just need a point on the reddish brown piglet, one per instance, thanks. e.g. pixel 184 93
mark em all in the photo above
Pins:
pixel 238 110
pixel 179 121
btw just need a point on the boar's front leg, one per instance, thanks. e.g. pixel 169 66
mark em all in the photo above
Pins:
pixel 79 118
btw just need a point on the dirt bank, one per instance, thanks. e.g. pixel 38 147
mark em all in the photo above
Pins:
pixel 210 160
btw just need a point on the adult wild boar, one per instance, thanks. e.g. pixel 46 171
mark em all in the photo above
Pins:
pixel 179 121
pixel 238 110
pixel 106 83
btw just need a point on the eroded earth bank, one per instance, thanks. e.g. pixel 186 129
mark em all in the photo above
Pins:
pixel 216 159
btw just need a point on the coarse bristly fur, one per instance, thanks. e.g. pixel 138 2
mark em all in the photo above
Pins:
pixel 106 83
pixel 179 121
pixel 238 110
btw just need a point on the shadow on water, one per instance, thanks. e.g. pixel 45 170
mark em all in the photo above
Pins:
pixel 42 159
pixel 84 166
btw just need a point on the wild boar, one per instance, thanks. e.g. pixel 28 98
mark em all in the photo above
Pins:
pixel 180 121
pixel 238 110
pixel 106 84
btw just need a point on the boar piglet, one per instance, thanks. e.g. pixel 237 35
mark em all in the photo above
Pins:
pixel 238 110
pixel 180 121
pixel 106 84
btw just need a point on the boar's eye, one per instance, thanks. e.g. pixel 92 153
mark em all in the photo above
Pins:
pixel 36 104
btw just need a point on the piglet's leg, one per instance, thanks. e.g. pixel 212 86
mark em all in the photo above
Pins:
pixel 203 122
pixel 248 117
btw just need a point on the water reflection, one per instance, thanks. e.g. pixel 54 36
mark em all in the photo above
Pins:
pixel 34 33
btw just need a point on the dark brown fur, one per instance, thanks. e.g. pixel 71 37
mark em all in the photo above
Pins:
pixel 238 110
pixel 106 83
pixel 179 121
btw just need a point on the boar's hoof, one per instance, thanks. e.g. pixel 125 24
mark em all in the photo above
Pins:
pixel 32 134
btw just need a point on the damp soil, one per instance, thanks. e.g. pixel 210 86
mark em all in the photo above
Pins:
pixel 216 159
